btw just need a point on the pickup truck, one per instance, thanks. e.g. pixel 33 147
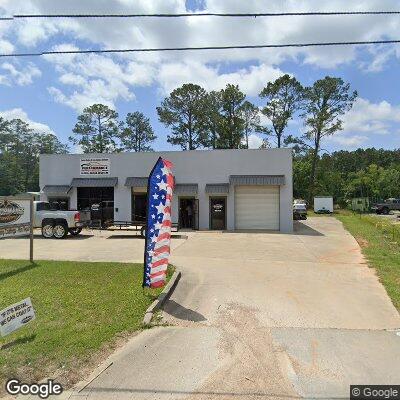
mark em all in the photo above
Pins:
pixel 299 210
pixel 387 206
pixel 57 223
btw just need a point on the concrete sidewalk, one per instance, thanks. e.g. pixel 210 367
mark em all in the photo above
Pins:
pixel 263 315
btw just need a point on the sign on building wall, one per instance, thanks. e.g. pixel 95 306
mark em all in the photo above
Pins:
pixel 16 316
pixel 95 166
pixel 15 217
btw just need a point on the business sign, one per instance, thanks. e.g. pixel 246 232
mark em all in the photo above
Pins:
pixel 95 166
pixel 16 316
pixel 15 217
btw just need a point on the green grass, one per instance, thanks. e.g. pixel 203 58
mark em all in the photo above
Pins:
pixel 81 311
pixel 380 243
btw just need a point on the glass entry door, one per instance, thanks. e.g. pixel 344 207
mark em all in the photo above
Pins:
pixel 139 207
pixel 188 213
pixel 218 213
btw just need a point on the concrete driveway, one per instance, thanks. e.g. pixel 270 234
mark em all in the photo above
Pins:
pixel 90 245
pixel 263 315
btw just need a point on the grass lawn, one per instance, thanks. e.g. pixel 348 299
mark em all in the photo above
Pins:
pixel 82 309
pixel 380 243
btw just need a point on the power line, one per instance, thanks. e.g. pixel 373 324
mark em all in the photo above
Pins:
pixel 144 50
pixel 203 14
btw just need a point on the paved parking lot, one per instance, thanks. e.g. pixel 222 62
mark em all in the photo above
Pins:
pixel 91 245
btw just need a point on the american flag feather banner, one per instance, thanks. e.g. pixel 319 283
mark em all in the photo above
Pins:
pixel 158 228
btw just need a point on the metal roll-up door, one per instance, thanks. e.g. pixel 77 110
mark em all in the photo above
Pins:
pixel 257 207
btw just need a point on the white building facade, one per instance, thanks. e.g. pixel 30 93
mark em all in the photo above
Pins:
pixel 214 189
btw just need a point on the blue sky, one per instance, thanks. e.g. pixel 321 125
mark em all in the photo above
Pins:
pixel 49 92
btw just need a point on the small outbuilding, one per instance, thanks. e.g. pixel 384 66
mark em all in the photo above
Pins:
pixel 360 204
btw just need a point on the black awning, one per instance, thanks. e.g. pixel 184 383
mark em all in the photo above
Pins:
pixel 94 182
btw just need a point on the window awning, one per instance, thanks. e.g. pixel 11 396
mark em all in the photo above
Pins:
pixel 56 190
pixel 136 181
pixel 257 179
pixel 94 182
pixel 217 188
pixel 186 188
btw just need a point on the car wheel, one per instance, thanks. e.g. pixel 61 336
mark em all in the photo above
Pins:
pixel 143 232
pixel 47 231
pixel 60 231
pixel 385 211
pixel 75 231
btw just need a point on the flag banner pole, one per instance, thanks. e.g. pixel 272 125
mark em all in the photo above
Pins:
pixel 158 224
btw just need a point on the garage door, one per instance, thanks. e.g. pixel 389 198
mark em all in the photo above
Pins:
pixel 257 207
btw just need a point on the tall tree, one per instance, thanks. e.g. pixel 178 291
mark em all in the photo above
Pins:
pixel 97 130
pixel 183 111
pixel 137 134
pixel 20 147
pixel 212 112
pixel 232 124
pixel 325 102
pixel 283 98
pixel 250 115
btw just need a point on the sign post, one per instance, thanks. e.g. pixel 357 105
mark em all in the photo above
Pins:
pixel 16 219
pixel 31 232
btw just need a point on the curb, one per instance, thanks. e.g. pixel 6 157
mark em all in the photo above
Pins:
pixel 162 298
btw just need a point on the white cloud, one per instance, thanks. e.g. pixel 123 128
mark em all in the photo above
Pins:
pixel 251 80
pixel 18 113
pixel 375 118
pixel 22 77
pixel 200 31
pixel 380 56
pixel 90 79
pixel 6 46
pixel 87 79
pixel 349 141
pixel 255 141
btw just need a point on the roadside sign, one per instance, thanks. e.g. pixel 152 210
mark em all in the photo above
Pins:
pixel 16 218
pixel 16 316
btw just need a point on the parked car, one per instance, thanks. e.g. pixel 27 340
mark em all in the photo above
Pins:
pixel 57 223
pixel 386 206
pixel 299 209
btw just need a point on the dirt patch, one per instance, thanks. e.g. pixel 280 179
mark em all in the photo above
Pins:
pixel 252 366
pixel 362 242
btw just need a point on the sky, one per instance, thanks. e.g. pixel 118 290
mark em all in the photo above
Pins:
pixel 49 92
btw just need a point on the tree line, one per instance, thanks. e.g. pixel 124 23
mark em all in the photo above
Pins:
pixel 20 147
pixel 373 173
pixel 223 119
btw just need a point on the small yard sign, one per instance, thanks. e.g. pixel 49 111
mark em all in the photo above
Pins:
pixel 16 316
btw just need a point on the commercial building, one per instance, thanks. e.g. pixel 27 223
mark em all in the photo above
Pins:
pixel 214 189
